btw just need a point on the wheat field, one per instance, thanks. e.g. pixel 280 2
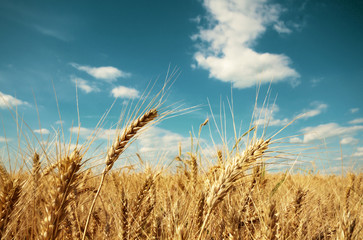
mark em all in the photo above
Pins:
pixel 234 198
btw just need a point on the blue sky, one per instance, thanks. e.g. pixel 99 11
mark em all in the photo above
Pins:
pixel 310 52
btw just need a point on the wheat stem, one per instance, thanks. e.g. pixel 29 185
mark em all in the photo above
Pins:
pixel 117 149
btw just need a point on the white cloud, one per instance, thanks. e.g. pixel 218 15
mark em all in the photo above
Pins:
pixel 337 169
pixel 3 139
pixel 10 101
pixel 225 49
pixel 157 139
pixel 84 132
pixel 107 134
pixel 359 152
pixel 315 81
pixel 197 19
pixel 84 85
pixel 296 140
pixel 107 73
pixel 266 116
pixel 280 27
pixel 319 108
pixel 41 131
pixel 354 110
pixel 328 130
pixel 348 140
pixel 356 121
pixel 73 146
pixel 124 92
pixel 272 121
pixel 59 122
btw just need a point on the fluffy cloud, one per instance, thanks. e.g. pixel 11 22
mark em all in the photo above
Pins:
pixel 107 134
pixel 41 131
pixel 159 140
pixel 359 152
pixel 125 92
pixel 280 27
pixel 84 85
pixel 295 140
pixel 356 121
pixel 84 132
pixel 266 116
pixel 10 101
pixel 328 130
pixel 226 48
pixel 107 73
pixel 318 109
pixel 3 139
pixel 348 140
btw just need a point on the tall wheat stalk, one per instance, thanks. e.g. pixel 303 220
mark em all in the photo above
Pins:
pixel 117 149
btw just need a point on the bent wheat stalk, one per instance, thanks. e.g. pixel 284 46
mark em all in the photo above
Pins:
pixel 117 149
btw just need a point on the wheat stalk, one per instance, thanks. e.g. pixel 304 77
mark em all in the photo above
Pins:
pixel 231 174
pixel 118 148
pixel 200 211
pixel 9 195
pixel 272 221
pixel 120 144
pixel 65 182
pixel 124 216
pixel 156 228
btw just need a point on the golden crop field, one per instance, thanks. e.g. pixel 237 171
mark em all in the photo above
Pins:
pixel 60 196
pixel 235 199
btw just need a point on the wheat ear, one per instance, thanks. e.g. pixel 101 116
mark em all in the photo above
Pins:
pixel 124 216
pixel 117 149
pixel 9 195
pixel 231 174
pixel 65 182
pixel 272 221
pixel 120 144
pixel 200 211
pixel 35 185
